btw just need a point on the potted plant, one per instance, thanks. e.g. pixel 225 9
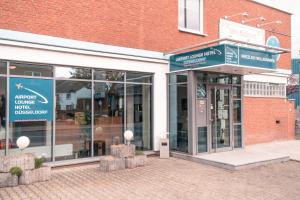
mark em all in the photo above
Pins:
pixel 15 173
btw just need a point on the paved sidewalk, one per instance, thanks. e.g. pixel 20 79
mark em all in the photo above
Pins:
pixel 253 155
pixel 169 179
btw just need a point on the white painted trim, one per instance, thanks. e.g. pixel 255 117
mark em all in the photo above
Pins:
pixel 37 39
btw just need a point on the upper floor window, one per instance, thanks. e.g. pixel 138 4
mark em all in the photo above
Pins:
pixel 191 16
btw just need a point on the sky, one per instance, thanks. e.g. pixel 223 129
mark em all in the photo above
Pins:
pixel 292 6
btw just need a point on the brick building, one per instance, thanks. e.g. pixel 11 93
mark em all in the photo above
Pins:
pixel 109 68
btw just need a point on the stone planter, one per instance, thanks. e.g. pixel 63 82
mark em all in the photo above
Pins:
pixel 110 163
pixel 136 161
pixel 35 175
pixel 24 160
pixel 122 150
pixel 8 180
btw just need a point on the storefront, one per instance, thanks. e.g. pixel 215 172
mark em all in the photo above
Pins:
pixel 69 107
pixel 206 94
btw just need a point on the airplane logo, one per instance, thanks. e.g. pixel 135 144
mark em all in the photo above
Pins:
pixel 44 99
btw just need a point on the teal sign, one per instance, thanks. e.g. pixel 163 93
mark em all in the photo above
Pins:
pixel 273 41
pixel 223 54
pixel 30 99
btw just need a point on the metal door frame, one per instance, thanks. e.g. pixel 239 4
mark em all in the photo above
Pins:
pixel 209 125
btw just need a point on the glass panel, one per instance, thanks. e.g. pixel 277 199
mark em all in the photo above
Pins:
pixel 73 120
pixel 109 75
pixel 202 77
pixel 236 79
pixel 138 77
pixel 219 78
pixel 193 14
pixel 237 111
pixel 138 119
pixel 2 67
pixel 177 78
pixel 220 114
pixel 201 90
pixel 237 136
pixel 178 117
pixel 202 139
pixel 109 116
pixel 73 73
pixel 30 70
pixel 39 133
pixel 2 115
pixel 236 92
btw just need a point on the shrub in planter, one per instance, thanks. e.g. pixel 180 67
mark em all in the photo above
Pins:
pixel 38 162
pixel 15 171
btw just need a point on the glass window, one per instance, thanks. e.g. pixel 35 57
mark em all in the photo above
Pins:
pixel 190 14
pixel 73 120
pixel 219 78
pixel 2 115
pixel 3 68
pixel 202 139
pixel 138 77
pixel 236 92
pixel 73 73
pixel 109 116
pixel 25 69
pixel 138 114
pixel 178 109
pixel 39 133
pixel 237 111
pixel 177 78
pixel 106 75
pixel 252 88
pixel 237 136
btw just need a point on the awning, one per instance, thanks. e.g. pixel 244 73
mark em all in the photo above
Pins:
pixel 235 58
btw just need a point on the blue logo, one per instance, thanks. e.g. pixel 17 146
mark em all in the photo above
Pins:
pixel 273 41
pixel 30 99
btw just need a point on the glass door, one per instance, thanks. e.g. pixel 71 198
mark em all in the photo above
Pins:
pixel 220 118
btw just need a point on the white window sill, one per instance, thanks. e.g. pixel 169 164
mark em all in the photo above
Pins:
pixel 191 31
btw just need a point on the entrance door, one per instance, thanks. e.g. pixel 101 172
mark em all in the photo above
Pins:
pixel 220 118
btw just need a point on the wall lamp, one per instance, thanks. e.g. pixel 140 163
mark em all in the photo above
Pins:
pixel 272 22
pixel 253 19
pixel 244 14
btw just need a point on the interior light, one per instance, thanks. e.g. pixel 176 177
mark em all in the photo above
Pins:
pixel 12 67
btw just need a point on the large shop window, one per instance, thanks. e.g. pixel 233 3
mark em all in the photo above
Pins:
pixel 191 15
pixel 109 116
pixel 178 112
pixel 87 110
pixel 73 120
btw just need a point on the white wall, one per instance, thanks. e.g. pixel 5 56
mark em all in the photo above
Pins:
pixel 21 51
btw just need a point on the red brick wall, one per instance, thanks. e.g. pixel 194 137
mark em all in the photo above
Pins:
pixel 140 24
pixel 260 115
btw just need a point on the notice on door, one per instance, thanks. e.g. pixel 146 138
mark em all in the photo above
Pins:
pixel 30 99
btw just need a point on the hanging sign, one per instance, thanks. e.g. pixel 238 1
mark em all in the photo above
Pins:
pixel 30 99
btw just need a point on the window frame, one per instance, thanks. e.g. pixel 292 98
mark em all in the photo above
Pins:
pixel 201 20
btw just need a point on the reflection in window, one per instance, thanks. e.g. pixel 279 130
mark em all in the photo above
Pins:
pixel 178 117
pixel 138 107
pixel 2 67
pixel 39 133
pixel 73 120
pixel 109 116
pixel 25 69
pixel 109 75
pixel 73 72
pixel 138 77
pixel 2 115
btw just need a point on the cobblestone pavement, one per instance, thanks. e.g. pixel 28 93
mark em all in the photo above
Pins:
pixel 165 179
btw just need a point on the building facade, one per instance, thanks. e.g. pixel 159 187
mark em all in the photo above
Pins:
pixel 75 75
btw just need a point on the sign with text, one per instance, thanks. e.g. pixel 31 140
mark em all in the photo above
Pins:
pixel 30 99
pixel 224 54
